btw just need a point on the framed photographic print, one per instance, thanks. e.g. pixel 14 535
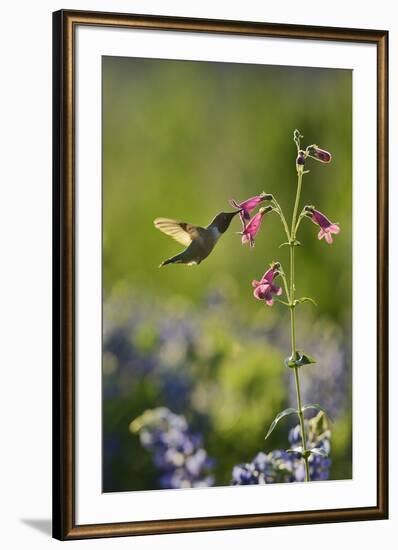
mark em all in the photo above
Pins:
pixel 220 274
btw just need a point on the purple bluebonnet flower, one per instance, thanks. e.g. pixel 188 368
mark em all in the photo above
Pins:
pixel 287 467
pixel 264 289
pixel 327 227
pixel 275 467
pixel 251 229
pixel 176 451
pixel 249 205
pixel 317 438
pixel 317 153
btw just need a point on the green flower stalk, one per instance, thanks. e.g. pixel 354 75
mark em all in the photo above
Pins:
pixel 265 289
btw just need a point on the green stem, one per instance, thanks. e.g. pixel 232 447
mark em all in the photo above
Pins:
pixel 302 215
pixel 279 211
pixel 296 205
pixel 286 286
pixel 292 285
pixel 302 425
pixel 293 325
pixel 293 329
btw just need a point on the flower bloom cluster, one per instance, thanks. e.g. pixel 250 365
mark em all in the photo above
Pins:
pixel 250 226
pixel 286 467
pixel 176 452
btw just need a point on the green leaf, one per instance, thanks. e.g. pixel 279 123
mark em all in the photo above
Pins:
pixel 278 417
pixel 305 299
pixel 318 408
pixel 305 359
pixel 294 243
pixel 291 361
pixel 298 450
pixel 299 359
pixel 282 302
pixel 316 451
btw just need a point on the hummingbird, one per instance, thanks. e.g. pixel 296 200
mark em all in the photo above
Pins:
pixel 199 241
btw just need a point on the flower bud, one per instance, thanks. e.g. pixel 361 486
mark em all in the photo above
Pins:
pixel 301 158
pixel 300 161
pixel 318 154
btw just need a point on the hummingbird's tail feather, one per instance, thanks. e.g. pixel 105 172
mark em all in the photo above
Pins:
pixel 170 261
pixel 177 259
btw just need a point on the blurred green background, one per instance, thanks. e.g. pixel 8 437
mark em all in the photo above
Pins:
pixel 180 139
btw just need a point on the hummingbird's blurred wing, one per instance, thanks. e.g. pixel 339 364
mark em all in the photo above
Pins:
pixel 182 232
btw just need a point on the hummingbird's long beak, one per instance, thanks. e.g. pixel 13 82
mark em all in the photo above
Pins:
pixel 228 217
pixel 232 214
pixel 223 219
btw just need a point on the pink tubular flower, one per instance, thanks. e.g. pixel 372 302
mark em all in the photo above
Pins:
pixel 264 289
pixel 327 227
pixel 249 205
pixel 318 154
pixel 250 230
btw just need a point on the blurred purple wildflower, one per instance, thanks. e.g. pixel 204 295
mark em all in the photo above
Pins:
pixel 318 437
pixel 275 467
pixel 328 384
pixel 176 451
pixel 286 467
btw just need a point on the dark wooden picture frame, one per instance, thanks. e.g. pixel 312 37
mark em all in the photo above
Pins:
pixel 64 27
